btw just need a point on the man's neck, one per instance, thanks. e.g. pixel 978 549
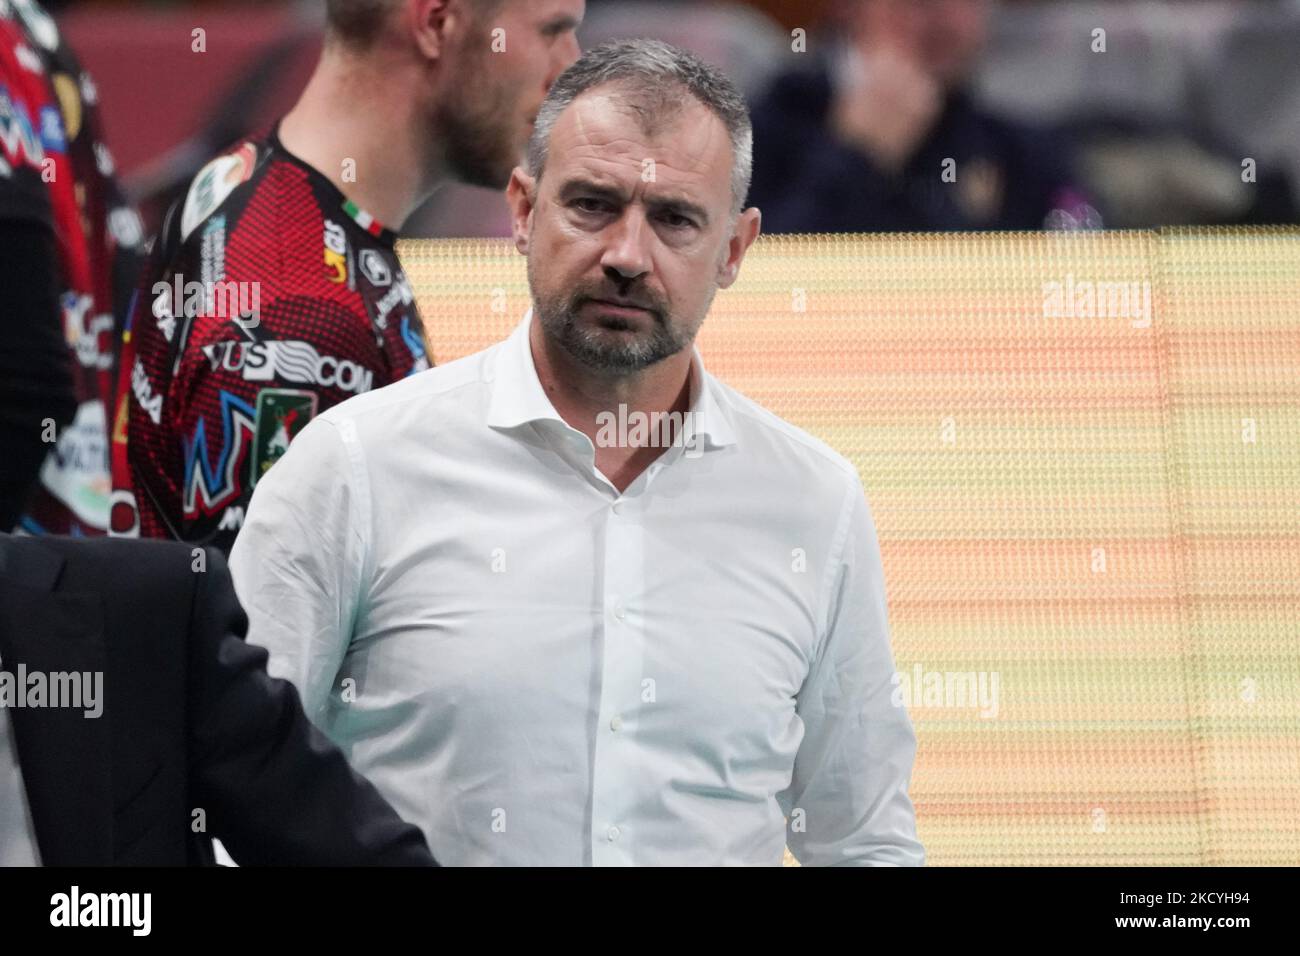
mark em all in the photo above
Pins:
pixel 356 125
pixel 585 399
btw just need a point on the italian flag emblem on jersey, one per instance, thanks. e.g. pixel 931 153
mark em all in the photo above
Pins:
pixel 363 219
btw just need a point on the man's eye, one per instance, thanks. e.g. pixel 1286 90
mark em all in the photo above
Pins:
pixel 590 205
pixel 676 220
pixel 557 29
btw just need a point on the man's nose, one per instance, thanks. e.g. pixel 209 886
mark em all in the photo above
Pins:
pixel 626 252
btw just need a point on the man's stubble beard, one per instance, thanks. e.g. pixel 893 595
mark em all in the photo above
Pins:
pixel 477 135
pixel 596 351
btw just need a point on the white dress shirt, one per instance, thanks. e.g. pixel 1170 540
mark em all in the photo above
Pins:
pixel 538 670
pixel 17 832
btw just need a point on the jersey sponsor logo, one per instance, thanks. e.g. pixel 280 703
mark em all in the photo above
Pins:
pixel 121 420
pixel 336 251
pixel 281 414
pixel 208 486
pixel 163 315
pixel 375 268
pixel 232 356
pixel 52 137
pixel 212 252
pixel 148 400
pixel 290 360
pixel 126 227
pixel 103 160
pixel 232 519
pixel 39 23
pixel 214 184
pixel 18 139
pixel 413 336
pixel 90 341
pixel 76 470
pixel 399 294
pixel 28 59
pixel 65 88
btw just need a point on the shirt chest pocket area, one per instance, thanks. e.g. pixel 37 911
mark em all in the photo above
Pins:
pixel 727 682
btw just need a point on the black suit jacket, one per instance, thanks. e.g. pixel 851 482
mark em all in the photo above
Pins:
pixel 191 720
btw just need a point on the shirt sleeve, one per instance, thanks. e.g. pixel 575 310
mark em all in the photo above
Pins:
pixel 278 791
pixel 847 802
pixel 297 565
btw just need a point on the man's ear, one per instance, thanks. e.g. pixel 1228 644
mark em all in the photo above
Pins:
pixel 433 22
pixel 748 225
pixel 521 193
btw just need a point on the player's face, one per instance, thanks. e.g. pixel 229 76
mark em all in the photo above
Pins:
pixel 508 61
pixel 629 234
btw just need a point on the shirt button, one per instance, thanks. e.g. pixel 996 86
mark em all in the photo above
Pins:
pixel 612 834
pixel 616 723
pixel 618 507
pixel 620 611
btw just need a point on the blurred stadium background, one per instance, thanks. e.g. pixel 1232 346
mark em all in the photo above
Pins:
pixel 1159 125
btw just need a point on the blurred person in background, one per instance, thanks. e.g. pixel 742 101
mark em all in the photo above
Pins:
pixel 275 291
pixel 860 140
pixel 68 260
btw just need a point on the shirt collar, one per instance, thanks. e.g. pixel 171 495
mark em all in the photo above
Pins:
pixel 517 393
pixel 518 397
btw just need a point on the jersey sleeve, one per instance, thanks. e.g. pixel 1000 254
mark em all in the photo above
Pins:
pixel 24 194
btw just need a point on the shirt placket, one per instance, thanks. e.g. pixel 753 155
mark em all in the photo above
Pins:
pixel 615 775
pixel 618 765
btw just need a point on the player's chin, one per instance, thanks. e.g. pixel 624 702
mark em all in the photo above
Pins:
pixel 495 167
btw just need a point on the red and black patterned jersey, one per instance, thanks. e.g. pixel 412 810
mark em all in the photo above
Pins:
pixel 57 170
pixel 270 297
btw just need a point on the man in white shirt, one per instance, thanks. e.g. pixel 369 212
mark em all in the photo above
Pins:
pixel 550 634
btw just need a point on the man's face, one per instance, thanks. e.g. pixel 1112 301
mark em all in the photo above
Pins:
pixel 629 233
pixel 502 66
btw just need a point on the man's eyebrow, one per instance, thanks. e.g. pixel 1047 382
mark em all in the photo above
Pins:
pixel 592 188
pixel 561 23
pixel 682 206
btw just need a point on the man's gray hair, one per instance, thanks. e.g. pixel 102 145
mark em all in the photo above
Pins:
pixel 651 76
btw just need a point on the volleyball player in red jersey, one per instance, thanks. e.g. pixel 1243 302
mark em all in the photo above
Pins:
pixel 274 291
pixel 68 257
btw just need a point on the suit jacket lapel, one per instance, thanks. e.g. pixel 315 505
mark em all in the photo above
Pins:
pixel 65 756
